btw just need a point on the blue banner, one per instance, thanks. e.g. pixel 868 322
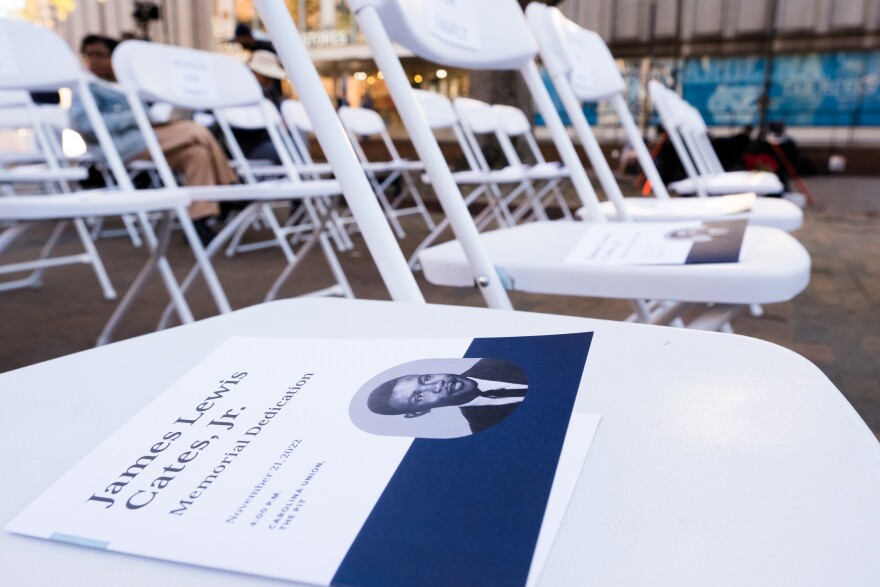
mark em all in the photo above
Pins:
pixel 830 89
pixel 468 510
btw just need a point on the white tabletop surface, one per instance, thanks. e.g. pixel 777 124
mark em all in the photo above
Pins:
pixel 720 460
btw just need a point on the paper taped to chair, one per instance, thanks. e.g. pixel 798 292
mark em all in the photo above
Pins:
pixel 192 79
pixel 660 243
pixel 303 459
pixel 454 21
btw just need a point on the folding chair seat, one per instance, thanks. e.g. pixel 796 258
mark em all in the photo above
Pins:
pixel 361 124
pixel 493 34
pixel 563 44
pixel 207 82
pixel 42 61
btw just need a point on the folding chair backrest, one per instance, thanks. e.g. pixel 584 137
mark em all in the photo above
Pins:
pixel 460 33
pixel 513 120
pixel 515 123
pixel 437 109
pixel 479 118
pixel 440 115
pixel 672 116
pixel 34 58
pixel 295 116
pixel 476 116
pixel 697 138
pixel 362 121
pixel 263 116
pixel 298 124
pixel 489 34
pixel 576 53
pixel 582 69
pixel 331 136
pixel 185 78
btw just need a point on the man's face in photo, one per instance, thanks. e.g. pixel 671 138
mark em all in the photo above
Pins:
pixel 417 394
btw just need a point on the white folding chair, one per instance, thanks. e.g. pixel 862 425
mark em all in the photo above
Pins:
pixel 480 118
pixel 515 125
pixel 493 34
pixel 41 61
pixel 690 137
pixel 362 124
pixel 202 81
pixel 300 127
pixel 479 179
pixel 301 221
pixel 563 47
pixel 331 136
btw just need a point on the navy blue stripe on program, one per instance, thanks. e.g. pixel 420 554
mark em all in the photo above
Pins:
pixel 467 511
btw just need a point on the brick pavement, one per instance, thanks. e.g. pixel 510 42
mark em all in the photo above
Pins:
pixel 835 323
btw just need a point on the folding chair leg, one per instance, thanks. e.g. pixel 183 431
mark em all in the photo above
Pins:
pixel 36 278
pixel 234 242
pixel 171 285
pixel 12 234
pixel 386 206
pixel 716 318
pixel 203 258
pixel 563 205
pixel 417 198
pixel 95 259
pixel 131 228
pixel 273 224
pixel 337 231
pixel 203 262
pixel 140 281
pixel 534 202
pixel 444 223
pixel 336 267
pixel 319 222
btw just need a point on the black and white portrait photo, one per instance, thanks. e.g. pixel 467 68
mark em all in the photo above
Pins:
pixel 440 398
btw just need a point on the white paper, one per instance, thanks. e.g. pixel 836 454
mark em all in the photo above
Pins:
pixel 252 462
pixel 192 79
pixel 574 450
pixel 582 79
pixel 634 244
pixel 691 207
pixel 733 203
pixel 454 21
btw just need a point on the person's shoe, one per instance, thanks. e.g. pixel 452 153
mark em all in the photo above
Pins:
pixel 205 232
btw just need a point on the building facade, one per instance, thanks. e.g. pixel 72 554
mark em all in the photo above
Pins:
pixel 813 64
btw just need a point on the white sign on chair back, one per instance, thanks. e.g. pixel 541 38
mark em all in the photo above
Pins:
pixel 185 78
pixel 463 39
pixel 454 21
pixel 192 79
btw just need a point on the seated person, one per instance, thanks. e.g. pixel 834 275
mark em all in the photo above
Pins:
pixel 255 143
pixel 190 148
